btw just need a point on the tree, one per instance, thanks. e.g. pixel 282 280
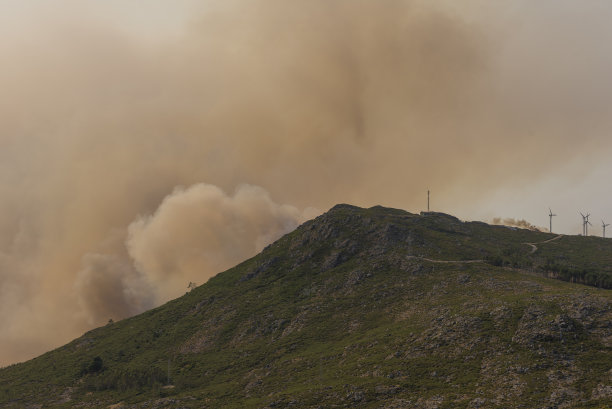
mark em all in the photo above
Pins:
pixel 96 365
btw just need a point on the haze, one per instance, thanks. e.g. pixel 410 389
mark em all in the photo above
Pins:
pixel 146 145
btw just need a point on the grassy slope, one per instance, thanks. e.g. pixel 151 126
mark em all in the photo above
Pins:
pixel 336 313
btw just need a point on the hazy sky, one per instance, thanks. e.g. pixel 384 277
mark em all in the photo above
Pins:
pixel 145 145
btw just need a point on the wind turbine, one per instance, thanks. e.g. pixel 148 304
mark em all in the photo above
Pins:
pixel 585 223
pixel 604 225
pixel 551 215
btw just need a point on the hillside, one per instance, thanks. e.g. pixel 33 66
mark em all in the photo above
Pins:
pixel 363 308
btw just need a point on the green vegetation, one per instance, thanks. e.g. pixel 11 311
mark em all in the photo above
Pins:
pixel 353 309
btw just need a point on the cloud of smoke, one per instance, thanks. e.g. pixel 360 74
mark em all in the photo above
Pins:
pixel 108 287
pixel 195 233
pixel 318 102
pixel 520 223
pixel 199 231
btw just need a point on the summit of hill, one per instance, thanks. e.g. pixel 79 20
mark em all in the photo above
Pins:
pixel 366 308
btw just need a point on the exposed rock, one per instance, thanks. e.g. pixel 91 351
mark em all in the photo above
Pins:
pixel 536 326
pixel 601 392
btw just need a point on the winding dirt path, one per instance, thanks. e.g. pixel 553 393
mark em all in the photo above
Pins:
pixel 446 261
pixel 534 248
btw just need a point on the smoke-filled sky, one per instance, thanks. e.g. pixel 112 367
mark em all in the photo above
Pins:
pixel 144 145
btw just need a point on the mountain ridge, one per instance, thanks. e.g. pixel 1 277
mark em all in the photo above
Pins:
pixel 353 309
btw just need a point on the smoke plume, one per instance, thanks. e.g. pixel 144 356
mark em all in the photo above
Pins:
pixel 199 231
pixel 319 102
pixel 521 224
pixel 195 233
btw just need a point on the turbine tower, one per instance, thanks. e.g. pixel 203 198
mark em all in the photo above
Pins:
pixel 604 225
pixel 550 215
pixel 427 200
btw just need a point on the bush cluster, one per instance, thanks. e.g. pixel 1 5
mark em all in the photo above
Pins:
pixel 123 380
pixel 577 275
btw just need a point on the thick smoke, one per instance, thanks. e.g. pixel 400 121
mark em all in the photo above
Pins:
pixel 109 287
pixel 520 223
pixel 317 101
pixel 195 233
pixel 199 231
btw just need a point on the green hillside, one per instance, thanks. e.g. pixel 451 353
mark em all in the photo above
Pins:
pixel 368 308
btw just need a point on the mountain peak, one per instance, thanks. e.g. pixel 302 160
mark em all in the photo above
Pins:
pixel 364 308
